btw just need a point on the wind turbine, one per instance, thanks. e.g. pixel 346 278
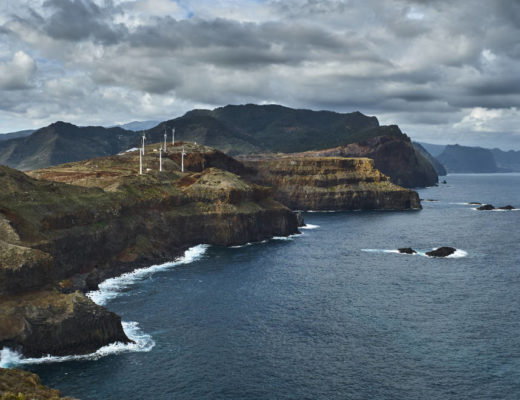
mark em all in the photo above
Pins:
pixel 160 159
pixel 140 162
pixel 144 138
pixel 173 136
pixel 165 139
pixel 182 159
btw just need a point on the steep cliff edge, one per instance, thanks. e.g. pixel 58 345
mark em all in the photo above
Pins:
pixel 83 222
pixel 332 183
pixel 393 155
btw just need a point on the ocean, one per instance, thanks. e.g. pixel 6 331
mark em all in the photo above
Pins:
pixel 334 313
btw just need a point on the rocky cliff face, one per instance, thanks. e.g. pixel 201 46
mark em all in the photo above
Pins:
pixel 332 183
pixel 465 159
pixel 56 237
pixel 23 385
pixel 393 155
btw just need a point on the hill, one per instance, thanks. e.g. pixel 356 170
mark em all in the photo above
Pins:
pixel 507 160
pixel 465 159
pixel 63 142
pixel 15 135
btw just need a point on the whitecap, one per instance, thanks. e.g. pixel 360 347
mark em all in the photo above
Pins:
pixel 112 287
pixel 309 226
pixel 142 343
pixel 380 251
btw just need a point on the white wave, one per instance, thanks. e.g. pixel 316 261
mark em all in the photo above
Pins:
pixel 142 343
pixel 497 210
pixel 380 251
pixel 309 226
pixel 458 253
pixel 112 287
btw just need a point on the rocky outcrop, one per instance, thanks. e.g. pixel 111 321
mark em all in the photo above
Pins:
pixel 16 384
pixel 394 155
pixel 331 183
pixel 439 168
pixel 49 322
pixel 441 252
pixel 406 250
pixel 58 237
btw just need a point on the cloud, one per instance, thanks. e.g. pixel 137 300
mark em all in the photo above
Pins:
pixel 16 74
pixel 425 65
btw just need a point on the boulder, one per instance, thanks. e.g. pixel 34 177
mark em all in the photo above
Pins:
pixel 486 207
pixel 406 250
pixel 441 252
pixel 508 207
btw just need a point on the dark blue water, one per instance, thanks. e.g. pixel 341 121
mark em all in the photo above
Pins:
pixel 316 317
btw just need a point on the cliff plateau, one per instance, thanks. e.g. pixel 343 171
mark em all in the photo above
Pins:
pixel 331 183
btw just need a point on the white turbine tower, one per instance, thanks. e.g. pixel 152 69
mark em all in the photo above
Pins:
pixel 173 136
pixel 160 159
pixel 182 159
pixel 140 162
pixel 144 138
pixel 165 135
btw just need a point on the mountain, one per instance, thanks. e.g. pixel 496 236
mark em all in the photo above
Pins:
pixel 242 129
pixel 465 159
pixel 138 125
pixel 507 160
pixel 253 129
pixel 433 149
pixel 439 168
pixel 14 135
pixel 62 142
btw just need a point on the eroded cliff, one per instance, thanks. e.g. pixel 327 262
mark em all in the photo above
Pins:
pixel 331 183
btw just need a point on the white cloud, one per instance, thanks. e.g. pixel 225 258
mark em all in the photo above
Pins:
pixel 16 74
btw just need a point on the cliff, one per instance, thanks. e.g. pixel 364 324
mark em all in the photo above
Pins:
pixel 393 155
pixel 439 168
pixel 23 385
pixel 465 159
pixel 331 183
pixel 83 222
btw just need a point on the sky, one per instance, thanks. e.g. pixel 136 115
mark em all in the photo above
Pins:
pixel 444 71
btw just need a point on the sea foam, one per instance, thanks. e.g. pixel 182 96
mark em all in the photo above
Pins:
pixel 112 287
pixel 142 343
pixel 309 226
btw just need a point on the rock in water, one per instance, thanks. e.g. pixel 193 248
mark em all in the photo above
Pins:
pixel 508 207
pixel 299 218
pixel 441 252
pixel 406 250
pixel 474 203
pixel 486 207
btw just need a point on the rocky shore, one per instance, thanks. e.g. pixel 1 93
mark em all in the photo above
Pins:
pixel 83 222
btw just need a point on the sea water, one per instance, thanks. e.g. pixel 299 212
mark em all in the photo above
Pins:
pixel 335 313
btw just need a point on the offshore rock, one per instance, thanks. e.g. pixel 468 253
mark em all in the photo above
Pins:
pixel 508 207
pixel 299 218
pixel 406 250
pixel 331 183
pixel 441 252
pixel 486 207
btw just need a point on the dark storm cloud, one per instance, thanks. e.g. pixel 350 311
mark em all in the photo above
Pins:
pixel 76 20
